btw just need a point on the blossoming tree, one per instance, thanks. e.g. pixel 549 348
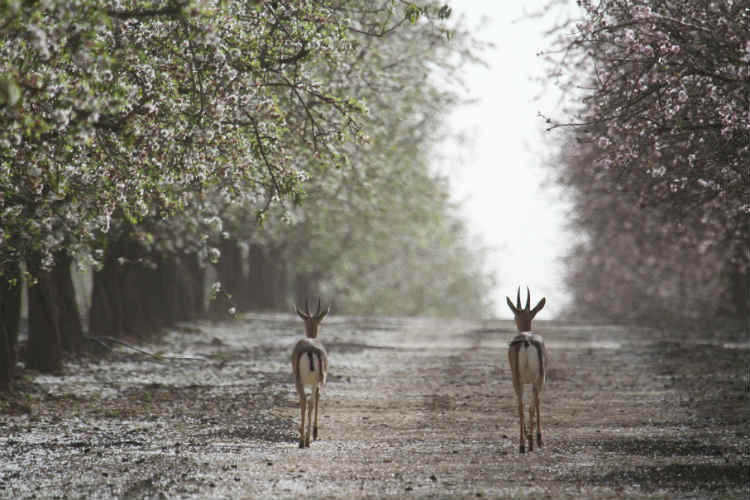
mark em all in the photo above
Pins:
pixel 661 124
pixel 137 134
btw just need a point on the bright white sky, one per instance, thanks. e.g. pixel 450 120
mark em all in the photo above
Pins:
pixel 498 176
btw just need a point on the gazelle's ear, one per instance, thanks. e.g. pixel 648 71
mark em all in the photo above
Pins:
pixel 510 304
pixel 324 313
pixel 538 307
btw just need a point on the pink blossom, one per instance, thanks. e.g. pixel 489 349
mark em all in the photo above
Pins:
pixel 646 49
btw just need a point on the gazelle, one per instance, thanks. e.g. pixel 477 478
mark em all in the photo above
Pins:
pixel 310 368
pixel 528 364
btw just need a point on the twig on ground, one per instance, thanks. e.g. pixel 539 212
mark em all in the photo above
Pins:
pixel 157 356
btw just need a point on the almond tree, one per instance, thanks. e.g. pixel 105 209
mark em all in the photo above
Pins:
pixel 121 106
pixel 114 112
pixel 379 234
pixel 661 114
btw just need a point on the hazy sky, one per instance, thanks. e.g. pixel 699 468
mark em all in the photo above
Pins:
pixel 498 175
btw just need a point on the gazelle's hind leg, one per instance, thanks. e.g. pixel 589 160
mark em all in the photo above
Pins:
pixel 519 395
pixel 302 420
pixel 538 418
pixel 317 405
pixel 310 404
pixel 530 430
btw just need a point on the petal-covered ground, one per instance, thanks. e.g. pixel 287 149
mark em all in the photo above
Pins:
pixel 414 408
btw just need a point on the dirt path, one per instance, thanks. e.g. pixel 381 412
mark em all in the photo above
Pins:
pixel 413 409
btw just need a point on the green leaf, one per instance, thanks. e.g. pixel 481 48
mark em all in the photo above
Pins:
pixel 412 13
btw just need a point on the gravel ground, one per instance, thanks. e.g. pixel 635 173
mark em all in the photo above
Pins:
pixel 414 408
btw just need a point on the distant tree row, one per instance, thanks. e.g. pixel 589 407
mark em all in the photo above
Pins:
pixel 656 157
pixel 283 144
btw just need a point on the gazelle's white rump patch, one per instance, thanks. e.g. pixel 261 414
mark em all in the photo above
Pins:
pixel 310 371
pixel 528 363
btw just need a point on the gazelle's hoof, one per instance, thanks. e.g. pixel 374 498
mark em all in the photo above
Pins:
pixel 315 433
pixel 539 440
pixel 522 449
pixel 301 443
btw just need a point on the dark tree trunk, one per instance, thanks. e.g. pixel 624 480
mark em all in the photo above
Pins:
pixel 133 289
pixel 170 283
pixel 144 293
pixel 234 274
pixel 192 292
pixel 257 297
pixel 740 300
pixel 10 315
pixel 106 313
pixel 278 277
pixel 267 281
pixel 229 270
pixel 69 318
pixel 138 293
pixel 117 297
pixel 44 352
pixel 153 297
pixel 180 285
pixel 6 359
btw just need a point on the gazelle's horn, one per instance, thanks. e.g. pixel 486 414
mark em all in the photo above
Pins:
pixel 307 308
pixel 528 300
pixel 518 299
pixel 317 311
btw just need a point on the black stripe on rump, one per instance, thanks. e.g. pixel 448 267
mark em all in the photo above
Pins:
pixel 312 363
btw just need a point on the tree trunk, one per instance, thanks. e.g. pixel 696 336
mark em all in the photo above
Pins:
pixel 10 315
pixel 739 292
pixel 188 285
pixel 192 292
pixel 44 352
pixel 6 359
pixel 234 274
pixel 256 298
pixel 229 270
pixel 125 297
pixel 134 292
pixel 106 312
pixel 152 296
pixel 267 281
pixel 278 277
pixel 69 319
pixel 138 299
pixel 170 283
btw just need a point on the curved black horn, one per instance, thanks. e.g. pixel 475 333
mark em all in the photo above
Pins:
pixel 518 299
pixel 317 311
pixel 528 300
